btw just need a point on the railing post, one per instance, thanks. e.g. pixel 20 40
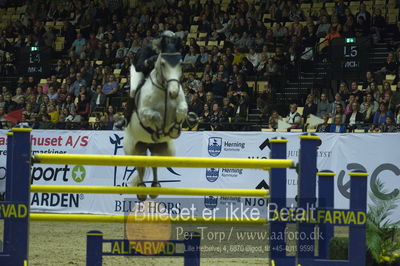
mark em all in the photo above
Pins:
pixel 16 232
pixel 358 202
pixel 94 248
pixel 8 194
pixel 307 192
pixel 325 201
pixel 278 195
pixel 192 249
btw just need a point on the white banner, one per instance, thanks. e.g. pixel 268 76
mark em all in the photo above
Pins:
pixel 378 154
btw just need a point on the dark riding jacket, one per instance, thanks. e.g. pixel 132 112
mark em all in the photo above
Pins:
pixel 146 58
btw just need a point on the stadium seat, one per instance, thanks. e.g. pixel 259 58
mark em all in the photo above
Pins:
pixel 201 43
pixel 354 3
pixel 117 72
pixel 354 9
pixel 317 5
pixel 288 24
pixel 251 84
pixel 390 78
pixel 300 110
pixel 194 28
pixel 392 16
pixel 59 46
pixel 306 11
pixel 266 16
pixel 202 35
pixel 330 5
pixel 211 44
pixel 261 86
pixel 192 35
pixel 359 130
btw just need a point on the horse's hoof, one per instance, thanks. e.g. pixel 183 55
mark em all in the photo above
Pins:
pixel 141 197
pixel 155 184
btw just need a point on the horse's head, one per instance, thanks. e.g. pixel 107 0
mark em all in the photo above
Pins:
pixel 169 61
pixel 170 68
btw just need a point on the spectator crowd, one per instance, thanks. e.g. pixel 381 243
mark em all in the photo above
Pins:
pixel 89 80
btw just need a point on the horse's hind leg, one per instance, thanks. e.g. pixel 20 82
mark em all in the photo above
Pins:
pixel 162 149
pixel 155 182
pixel 137 148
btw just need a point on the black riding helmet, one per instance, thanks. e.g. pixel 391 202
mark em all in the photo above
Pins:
pixel 170 43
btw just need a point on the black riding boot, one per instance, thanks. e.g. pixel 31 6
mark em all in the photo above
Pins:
pixel 131 103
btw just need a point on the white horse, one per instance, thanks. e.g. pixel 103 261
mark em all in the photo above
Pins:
pixel 160 109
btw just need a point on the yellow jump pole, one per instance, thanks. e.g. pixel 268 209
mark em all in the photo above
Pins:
pixel 89 218
pixel 161 161
pixel 153 191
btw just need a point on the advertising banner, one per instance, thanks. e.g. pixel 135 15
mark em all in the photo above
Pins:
pixel 378 154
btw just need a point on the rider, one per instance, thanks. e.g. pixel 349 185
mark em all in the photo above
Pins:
pixel 146 58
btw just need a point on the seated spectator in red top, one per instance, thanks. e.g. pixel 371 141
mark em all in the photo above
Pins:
pixel 332 34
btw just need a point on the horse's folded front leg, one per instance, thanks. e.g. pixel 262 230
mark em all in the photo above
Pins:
pixel 150 118
pixel 181 113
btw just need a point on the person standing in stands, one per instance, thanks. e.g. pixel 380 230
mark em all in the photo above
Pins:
pixel 323 107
